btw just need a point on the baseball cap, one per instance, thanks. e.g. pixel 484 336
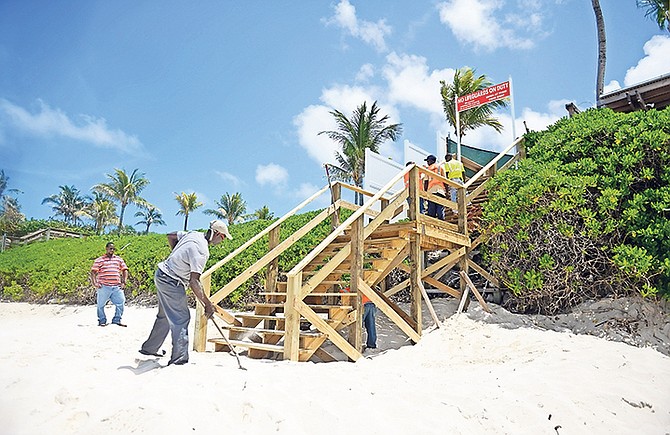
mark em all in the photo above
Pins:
pixel 220 227
pixel 431 158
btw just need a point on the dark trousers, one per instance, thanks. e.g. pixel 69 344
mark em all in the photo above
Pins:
pixel 369 312
pixel 173 317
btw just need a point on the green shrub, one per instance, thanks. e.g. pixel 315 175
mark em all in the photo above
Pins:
pixel 593 196
pixel 57 270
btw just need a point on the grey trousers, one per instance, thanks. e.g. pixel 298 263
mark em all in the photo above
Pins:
pixel 173 316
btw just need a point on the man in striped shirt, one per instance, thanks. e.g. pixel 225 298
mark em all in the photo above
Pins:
pixel 108 275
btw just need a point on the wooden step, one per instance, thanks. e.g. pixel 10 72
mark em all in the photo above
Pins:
pixel 314 307
pixel 264 347
pixel 283 294
pixel 269 331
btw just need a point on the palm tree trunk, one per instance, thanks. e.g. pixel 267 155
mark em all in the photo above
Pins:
pixel 602 50
pixel 123 209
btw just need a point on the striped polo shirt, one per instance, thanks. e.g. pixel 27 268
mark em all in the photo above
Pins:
pixel 109 270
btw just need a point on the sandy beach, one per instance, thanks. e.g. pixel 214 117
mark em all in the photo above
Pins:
pixel 60 373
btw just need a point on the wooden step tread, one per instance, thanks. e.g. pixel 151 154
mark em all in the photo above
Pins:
pixel 280 305
pixel 259 346
pixel 308 294
pixel 270 331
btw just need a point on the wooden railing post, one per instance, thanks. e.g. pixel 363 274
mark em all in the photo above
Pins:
pixel 272 272
pixel 415 257
pixel 292 318
pixel 336 195
pixel 413 188
pixel 200 327
pixel 357 252
pixel 463 229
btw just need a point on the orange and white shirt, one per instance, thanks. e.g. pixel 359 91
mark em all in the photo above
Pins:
pixel 435 185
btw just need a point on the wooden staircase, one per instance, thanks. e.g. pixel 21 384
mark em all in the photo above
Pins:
pixel 308 306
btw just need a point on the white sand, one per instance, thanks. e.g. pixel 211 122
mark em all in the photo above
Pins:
pixel 60 373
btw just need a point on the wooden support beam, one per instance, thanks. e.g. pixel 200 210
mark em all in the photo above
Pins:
pixel 445 264
pixel 429 305
pixel 398 259
pixel 414 333
pixel 200 326
pixel 490 278
pixel 415 273
pixel 325 328
pixel 356 271
pixel 472 287
pixel 292 318
pixel 272 272
pixel 442 287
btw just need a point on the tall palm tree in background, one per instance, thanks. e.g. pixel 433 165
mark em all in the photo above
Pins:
pixel 263 213
pixel 230 207
pixel 124 189
pixel 657 10
pixel 10 210
pixel 466 82
pixel 602 50
pixel 187 203
pixel 68 203
pixel 150 216
pixel 102 210
pixel 365 129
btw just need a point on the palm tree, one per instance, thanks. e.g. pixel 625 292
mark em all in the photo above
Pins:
pixel 67 203
pixel 150 216
pixel 658 10
pixel 230 207
pixel 363 130
pixel 602 50
pixel 188 202
pixel 465 82
pixel 124 189
pixel 263 213
pixel 102 211
pixel 10 210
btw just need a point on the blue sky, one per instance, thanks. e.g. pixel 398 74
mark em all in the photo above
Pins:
pixel 228 96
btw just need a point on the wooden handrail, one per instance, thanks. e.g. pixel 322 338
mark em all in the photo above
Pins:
pixel 490 164
pixel 344 225
pixel 258 236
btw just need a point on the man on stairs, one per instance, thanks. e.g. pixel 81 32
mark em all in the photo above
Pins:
pixel 455 172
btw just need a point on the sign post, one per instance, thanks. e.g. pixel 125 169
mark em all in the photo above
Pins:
pixel 479 98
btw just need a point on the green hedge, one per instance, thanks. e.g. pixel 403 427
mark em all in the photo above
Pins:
pixel 57 270
pixel 586 214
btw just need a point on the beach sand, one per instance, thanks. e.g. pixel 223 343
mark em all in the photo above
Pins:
pixel 60 373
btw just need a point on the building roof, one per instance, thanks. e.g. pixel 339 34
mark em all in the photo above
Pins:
pixel 654 93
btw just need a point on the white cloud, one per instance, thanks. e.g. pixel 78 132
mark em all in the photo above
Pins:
pixel 272 174
pixel 365 73
pixel 317 118
pixel 655 63
pixel 309 123
pixel 411 83
pixel 611 87
pixel 306 190
pixel 48 123
pixel 229 178
pixel 369 32
pixel 478 22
